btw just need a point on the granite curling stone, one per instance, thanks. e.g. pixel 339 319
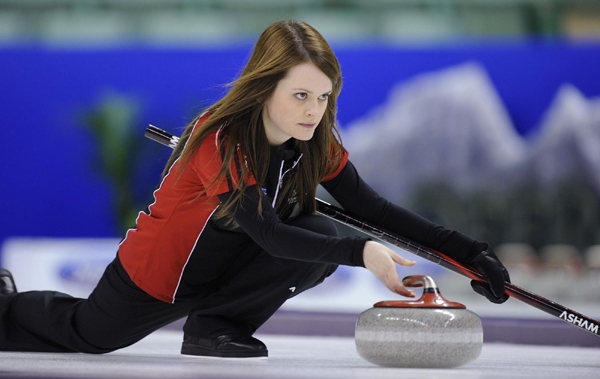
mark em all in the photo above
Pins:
pixel 430 332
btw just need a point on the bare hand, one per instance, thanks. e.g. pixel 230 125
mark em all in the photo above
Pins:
pixel 380 261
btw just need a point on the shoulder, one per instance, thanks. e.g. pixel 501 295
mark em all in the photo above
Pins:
pixel 212 142
pixel 210 146
pixel 337 152
pixel 338 158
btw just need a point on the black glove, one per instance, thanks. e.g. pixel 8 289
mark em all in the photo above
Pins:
pixel 488 264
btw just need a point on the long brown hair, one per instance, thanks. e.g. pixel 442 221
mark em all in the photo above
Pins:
pixel 280 47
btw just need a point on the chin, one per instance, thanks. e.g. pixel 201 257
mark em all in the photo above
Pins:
pixel 305 137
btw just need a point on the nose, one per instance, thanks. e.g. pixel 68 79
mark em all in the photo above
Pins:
pixel 312 109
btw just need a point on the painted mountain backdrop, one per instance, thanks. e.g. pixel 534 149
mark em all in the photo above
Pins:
pixel 444 145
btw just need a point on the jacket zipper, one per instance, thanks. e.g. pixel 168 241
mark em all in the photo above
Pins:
pixel 281 176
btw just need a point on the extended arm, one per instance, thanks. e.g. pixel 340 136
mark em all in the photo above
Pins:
pixel 359 198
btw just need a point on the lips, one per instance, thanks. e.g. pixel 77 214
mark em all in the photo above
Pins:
pixel 308 125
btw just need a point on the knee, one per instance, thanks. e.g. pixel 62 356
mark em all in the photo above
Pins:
pixel 317 224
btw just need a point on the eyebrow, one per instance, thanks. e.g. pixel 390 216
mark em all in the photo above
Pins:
pixel 305 90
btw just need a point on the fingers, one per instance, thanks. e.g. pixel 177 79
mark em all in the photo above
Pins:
pixel 381 261
pixel 495 276
pixel 397 285
pixel 401 290
pixel 401 260
pixel 393 281
pixel 496 282
pixel 484 290
pixel 489 266
pixel 506 275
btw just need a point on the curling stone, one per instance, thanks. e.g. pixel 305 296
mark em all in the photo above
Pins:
pixel 430 332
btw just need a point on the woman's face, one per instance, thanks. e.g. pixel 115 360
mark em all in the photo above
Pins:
pixel 297 104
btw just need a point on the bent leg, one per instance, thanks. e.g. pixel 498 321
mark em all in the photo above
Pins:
pixel 255 286
pixel 116 314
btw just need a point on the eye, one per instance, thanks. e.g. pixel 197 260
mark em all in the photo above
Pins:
pixel 324 97
pixel 301 95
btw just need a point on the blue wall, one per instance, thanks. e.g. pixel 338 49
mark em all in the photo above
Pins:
pixel 49 189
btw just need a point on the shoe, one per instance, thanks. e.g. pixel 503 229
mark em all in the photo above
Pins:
pixel 7 283
pixel 226 346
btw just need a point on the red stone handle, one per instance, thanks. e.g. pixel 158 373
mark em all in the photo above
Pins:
pixel 431 298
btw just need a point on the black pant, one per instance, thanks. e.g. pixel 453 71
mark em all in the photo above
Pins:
pixel 118 313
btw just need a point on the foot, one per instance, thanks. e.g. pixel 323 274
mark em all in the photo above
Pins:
pixel 7 283
pixel 226 346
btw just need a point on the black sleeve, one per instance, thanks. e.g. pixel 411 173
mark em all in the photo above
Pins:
pixel 359 198
pixel 285 241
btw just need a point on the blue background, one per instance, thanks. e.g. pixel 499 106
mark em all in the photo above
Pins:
pixel 50 189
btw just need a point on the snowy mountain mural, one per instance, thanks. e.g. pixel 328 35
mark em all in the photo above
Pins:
pixel 568 145
pixel 450 129
pixel 446 126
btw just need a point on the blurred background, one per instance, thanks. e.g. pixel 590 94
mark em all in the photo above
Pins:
pixel 481 115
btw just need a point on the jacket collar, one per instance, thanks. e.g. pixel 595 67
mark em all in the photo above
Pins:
pixel 286 152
